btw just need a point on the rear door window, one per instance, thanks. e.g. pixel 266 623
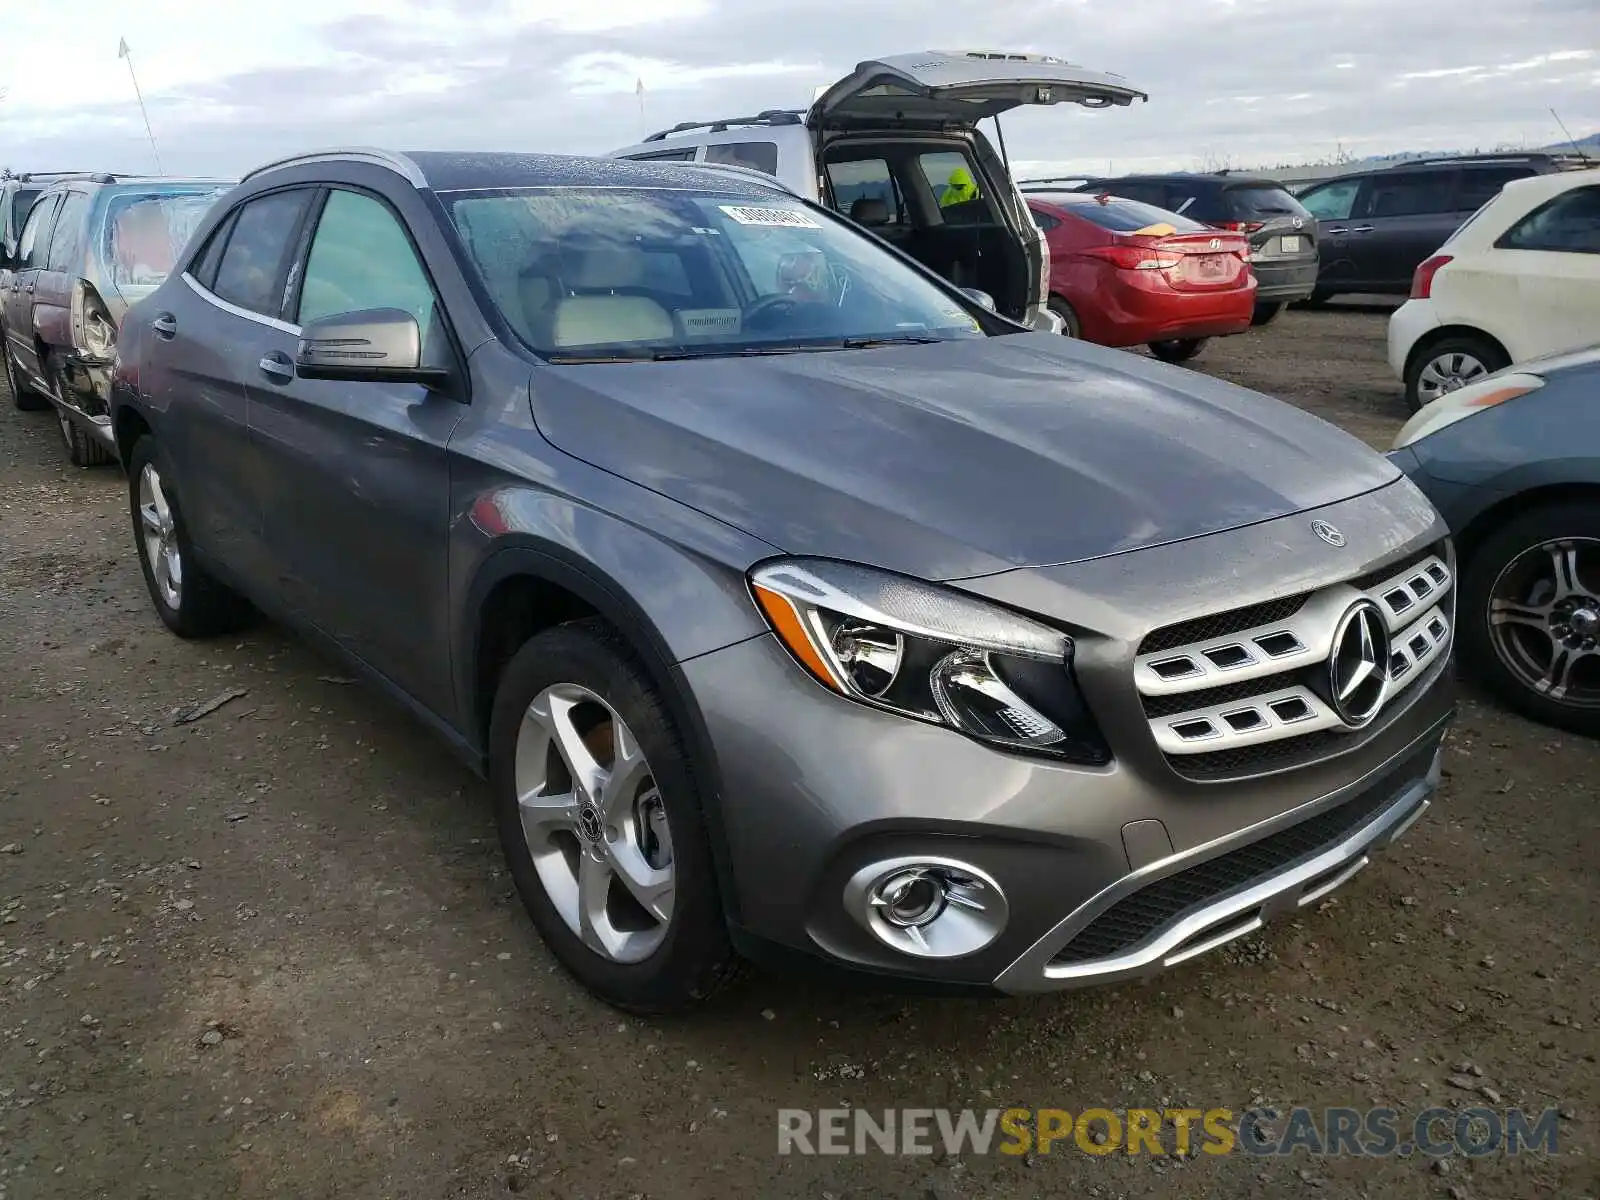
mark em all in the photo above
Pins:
pixel 949 173
pixel 253 265
pixel 763 156
pixel 1332 201
pixel 1479 185
pixel 1570 223
pixel 1409 194
pixel 35 243
pixel 66 243
pixel 864 189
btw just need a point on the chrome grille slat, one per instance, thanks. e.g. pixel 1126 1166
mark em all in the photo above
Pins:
pixel 1232 695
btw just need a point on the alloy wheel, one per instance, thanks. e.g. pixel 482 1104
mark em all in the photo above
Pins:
pixel 1544 620
pixel 594 823
pixel 1448 372
pixel 160 537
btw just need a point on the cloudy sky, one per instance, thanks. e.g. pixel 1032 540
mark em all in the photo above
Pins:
pixel 1238 82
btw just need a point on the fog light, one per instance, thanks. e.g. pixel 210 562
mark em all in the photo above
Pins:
pixel 928 908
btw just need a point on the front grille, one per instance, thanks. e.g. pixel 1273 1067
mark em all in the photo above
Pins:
pixel 1141 914
pixel 1245 692
pixel 1218 625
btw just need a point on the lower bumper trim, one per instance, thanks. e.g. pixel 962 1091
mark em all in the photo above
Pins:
pixel 1106 940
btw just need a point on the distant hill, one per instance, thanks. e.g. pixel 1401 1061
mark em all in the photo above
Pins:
pixel 1590 145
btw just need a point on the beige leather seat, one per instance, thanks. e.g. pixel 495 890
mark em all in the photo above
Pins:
pixel 601 316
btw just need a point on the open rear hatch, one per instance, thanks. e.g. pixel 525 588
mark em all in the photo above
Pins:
pixel 939 88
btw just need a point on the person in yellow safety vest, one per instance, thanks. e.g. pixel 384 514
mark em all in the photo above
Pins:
pixel 959 189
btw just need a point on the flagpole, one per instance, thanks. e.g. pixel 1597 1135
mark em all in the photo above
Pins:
pixel 638 90
pixel 124 52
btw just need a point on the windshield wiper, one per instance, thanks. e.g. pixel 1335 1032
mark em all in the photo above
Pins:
pixel 678 353
pixel 910 339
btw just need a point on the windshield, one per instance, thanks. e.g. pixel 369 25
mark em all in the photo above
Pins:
pixel 662 273
pixel 146 231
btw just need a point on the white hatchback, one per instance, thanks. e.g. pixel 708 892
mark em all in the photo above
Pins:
pixel 1520 279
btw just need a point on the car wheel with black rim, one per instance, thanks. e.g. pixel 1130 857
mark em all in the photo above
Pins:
pixel 23 396
pixel 1448 364
pixel 1069 319
pixel 1265 314
pixel 598 807
pixel 1530 599
pixel 1177 350
pixel 189 601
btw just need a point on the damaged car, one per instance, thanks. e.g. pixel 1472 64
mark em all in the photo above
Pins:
pixel 91 247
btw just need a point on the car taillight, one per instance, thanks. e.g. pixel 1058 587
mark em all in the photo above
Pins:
pixel 1135 258
pixel 1243 226
pixel 94 333
pixel 1422 279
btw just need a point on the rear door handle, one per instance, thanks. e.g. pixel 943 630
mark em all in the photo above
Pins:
pixel 277 366
pixel 29 286
pixel 165 326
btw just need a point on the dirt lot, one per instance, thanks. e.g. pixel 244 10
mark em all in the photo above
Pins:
pixel 272 952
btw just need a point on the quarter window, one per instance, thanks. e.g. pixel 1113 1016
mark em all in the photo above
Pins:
pixel 1570 223
pixel 865 191
pixel 361 258
pixel 250 273
pixel 763 156
pixel 1479 185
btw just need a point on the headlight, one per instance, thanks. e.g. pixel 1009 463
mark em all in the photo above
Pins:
pixel 932 654
pixel 1463 402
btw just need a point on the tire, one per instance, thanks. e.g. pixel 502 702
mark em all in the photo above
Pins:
pixel 83 449
pixel 1463 357
pixel 201 606
pixel 689 955
pixel 1498 561
pixel 1265 314
pixel 1177 350
pixel 23 396
pixel 1069 319
pixel 1318 299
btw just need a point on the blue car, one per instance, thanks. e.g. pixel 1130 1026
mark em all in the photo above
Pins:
pixel 1513 464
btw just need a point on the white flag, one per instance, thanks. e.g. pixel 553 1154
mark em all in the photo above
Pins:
pixel 122 47
pixel 638 87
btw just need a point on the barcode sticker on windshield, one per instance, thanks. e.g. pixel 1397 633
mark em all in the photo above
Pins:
pixel 789 218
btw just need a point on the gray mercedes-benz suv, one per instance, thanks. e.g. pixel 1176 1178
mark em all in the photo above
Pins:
pixel 795 605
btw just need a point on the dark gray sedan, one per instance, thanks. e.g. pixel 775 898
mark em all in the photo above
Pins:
pixel 794 603
pixel 1513 463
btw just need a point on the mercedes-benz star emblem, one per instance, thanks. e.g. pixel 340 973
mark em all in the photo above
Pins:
pixel 1328 533
pixel 590 827
pixel 1358 667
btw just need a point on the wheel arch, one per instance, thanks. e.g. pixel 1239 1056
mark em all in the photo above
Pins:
pixel 1433 337
pixel 526 587
pixel 1485 523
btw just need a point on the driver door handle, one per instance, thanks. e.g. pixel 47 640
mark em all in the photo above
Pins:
pixel 165 326
pixel 276 366
pixel 1362 229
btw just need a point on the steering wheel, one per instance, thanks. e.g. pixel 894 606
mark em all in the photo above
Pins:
pixel 781 307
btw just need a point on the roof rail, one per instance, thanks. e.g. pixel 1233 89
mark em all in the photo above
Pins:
pixel 388 159
pixel 767 116
pixel 1527 156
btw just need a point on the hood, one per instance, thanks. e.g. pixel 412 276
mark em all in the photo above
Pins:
pixel 957 459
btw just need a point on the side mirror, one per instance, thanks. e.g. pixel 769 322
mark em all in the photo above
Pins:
pixel 374 345
pixel 980 297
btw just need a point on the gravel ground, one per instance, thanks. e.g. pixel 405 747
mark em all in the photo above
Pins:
pixel 272 952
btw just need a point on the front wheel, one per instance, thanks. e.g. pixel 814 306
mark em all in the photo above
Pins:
pixel 187 599
pixel 598 807
pixel 83 448
pixel 1177 350
pixel 1265 314
pixel 1530 604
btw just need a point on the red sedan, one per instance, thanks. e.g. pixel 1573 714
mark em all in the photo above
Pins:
pixel 1124 273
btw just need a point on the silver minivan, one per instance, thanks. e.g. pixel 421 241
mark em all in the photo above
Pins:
pixel 895 146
